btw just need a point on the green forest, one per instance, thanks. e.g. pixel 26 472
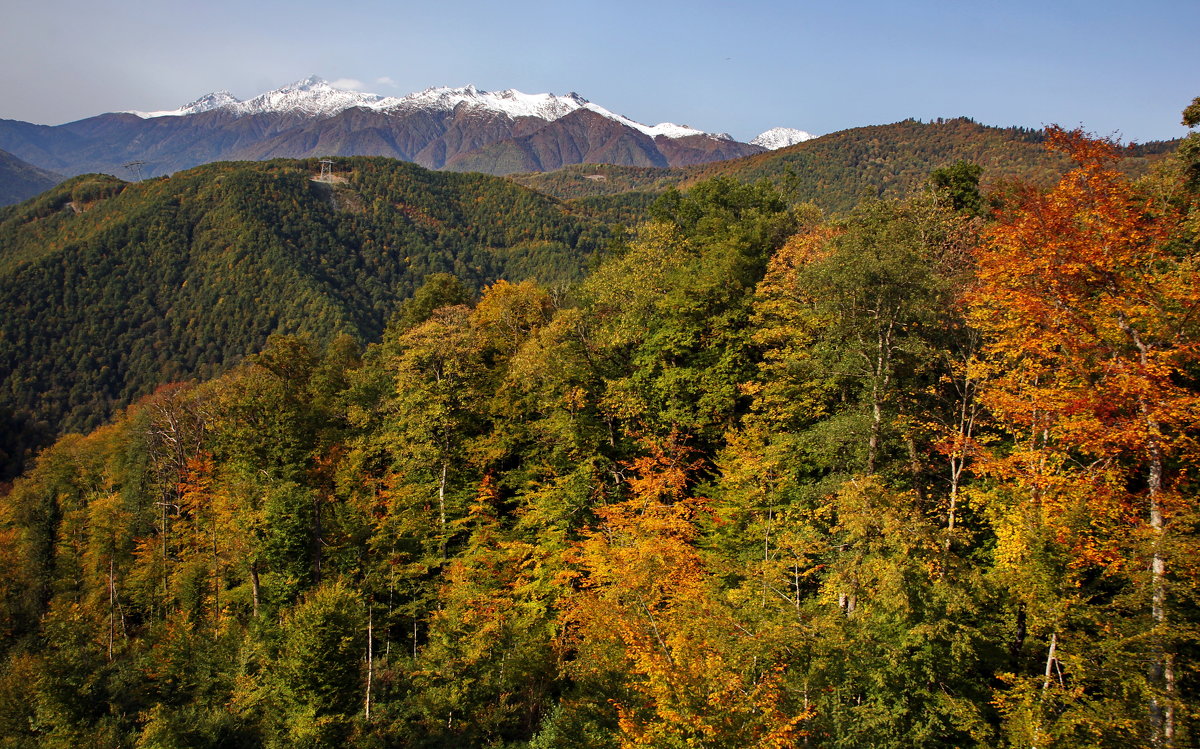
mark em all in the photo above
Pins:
pixel 110 289
pixel 744 473
pixel 837 171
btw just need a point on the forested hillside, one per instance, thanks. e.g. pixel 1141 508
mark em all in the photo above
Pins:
pixel 919 475
pixel 108 289
pixel 839 170
pixel 592 180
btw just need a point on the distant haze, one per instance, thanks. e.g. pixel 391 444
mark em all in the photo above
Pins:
pixel 1114 68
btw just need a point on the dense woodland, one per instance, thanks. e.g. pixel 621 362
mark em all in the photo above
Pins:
pixel 921 474
pixel 838 171
pixel 110 289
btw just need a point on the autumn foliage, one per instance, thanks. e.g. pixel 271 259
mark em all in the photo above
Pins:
pixel 1090 316
pixel 919 475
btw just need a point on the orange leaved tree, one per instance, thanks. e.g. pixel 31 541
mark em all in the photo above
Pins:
pixel 1088 303
pixel 647 613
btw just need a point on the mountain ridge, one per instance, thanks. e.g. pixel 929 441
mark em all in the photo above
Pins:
pixel 314 96
pixel 437 128
pixel 20 180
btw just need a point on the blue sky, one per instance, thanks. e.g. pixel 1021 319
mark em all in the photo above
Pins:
pixel 1124 69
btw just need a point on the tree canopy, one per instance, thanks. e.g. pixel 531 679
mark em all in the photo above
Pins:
pixel 921 474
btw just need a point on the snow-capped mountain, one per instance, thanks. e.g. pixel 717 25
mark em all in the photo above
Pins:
pixel 543 106
pixel 206 103
pixel 781 137
pixel 315 97
pixel 311 96
pixel 509 102
pixel 464 128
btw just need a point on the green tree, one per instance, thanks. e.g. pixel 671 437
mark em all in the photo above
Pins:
pixel 312 687
pixel 439 290
pixel 673 309
pixel 958 184
pixel 1189 150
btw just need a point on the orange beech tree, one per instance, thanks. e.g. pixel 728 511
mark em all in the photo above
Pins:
pixel 647 608
pixel 1088 303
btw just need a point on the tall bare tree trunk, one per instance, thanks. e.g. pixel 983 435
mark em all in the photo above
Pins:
pixel 914 467
pixel 442 508
pixel 254 586
pixel 967 412
pixel 216 562
pixel 880 380
pixel 1162 674
pixel 370 659
pixel 165 579
pixel 320 537
pixel 112 595
pixel 1050 660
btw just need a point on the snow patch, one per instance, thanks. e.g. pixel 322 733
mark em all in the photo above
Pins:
pixel 781 137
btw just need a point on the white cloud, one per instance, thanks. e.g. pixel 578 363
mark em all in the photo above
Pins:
pixel 385 81
pixel 348 84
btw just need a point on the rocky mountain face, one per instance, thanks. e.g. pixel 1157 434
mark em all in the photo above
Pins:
pixel 462 129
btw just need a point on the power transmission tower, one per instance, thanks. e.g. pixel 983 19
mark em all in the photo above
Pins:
pixel 326 171
pixel 136 168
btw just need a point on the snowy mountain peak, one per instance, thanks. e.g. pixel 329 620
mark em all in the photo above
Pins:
pixel 206 103
pixel 781 137
pixel 509 102
pixel 309 83
pixel 315 97
pixel 312 96
pixel 215 100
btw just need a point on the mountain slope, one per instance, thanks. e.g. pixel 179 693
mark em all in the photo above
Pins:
pixel 310 118
pixel 837 171
pixel 580 137
pixel 20 180
pixel 108 289
pixel 592 180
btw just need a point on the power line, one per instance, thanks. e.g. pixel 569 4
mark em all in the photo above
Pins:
pixel 136 168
